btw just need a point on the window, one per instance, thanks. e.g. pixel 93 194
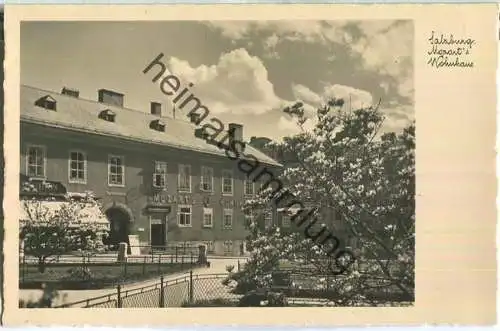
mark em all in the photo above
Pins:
pixel 210 246
pixel 228 247
pixel 285 221
pixel 227 182
pixel 160 174
pixel 249 187
pixel 184 216
pixel 207 179
pixel 107 115
pixel 184 178
pixel 268 218
pixel 228 218
pixel 207 217
pixel 35 161
pixel 116 171
pixel 157 125
pixel 249 217
pixel 77 167
pixel 46 102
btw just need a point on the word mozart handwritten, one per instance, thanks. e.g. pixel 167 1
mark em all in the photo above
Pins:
pixel 449 51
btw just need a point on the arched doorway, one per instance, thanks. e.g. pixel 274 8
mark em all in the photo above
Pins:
pixel 119 221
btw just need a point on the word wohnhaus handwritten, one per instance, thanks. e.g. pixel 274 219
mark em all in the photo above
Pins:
pixel 449 51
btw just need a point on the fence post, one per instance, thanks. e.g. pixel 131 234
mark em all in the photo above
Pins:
pixel 162 297
pixel 159 263
pixel 24 268
pixel 176 253
pixel 191 286
pixel 238 265
pixel 119 294
pixel 125 268
pixel 144 266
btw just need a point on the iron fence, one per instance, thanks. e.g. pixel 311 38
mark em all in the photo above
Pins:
pixel 105 269
pixel 215 290
pixel 162 294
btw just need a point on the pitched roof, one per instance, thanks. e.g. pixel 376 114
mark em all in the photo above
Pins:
pixel 83 115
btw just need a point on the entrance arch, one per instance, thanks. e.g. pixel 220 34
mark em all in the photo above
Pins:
pixel 119 220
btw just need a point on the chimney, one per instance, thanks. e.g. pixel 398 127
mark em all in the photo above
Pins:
pixel 110 97
pixel 156 108
pixel 235 132
pixel 71 92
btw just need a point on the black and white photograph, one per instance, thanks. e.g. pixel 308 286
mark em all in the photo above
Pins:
pixel 217 164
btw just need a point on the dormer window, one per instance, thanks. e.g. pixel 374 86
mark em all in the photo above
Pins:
pixel 107 115
pixel 201 133
pixel 46 102
pixel 157 125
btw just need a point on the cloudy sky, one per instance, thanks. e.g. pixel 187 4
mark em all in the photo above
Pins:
pixel 244 71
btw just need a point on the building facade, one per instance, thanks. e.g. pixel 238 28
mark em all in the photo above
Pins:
pixel 159 184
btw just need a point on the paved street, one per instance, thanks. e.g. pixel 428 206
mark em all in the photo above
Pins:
pixel 218 266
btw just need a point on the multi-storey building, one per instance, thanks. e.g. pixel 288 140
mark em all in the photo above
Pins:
pixel 158 182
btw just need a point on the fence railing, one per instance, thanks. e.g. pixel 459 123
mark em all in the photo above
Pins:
pixel 165 293
pixel 74 268
pixel 173 252
pixel 216 290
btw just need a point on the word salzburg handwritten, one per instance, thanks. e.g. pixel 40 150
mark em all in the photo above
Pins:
pixel 449 51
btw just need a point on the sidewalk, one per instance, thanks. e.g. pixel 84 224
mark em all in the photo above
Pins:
pixel 218 266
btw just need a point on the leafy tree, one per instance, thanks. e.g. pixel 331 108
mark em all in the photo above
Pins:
pixel 345 164
pixel 51 232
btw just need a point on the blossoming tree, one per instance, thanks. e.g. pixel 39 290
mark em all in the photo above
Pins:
pixel 68 227
pixel 347 165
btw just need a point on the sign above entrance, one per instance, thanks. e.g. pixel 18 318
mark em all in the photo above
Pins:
pixel 163 200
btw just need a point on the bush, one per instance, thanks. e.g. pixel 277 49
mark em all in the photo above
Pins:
pixel 229 268
pixel 281 279
pixel 80 273
pixel 253 299
pixel 244 283
pixel 276 299
pixel 259 298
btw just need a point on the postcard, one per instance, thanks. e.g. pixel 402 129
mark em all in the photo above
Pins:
pixel 250 165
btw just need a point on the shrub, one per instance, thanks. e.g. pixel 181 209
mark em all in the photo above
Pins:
pixel 275 299
pixel 229 268
pixel 253 299
pixel 79 273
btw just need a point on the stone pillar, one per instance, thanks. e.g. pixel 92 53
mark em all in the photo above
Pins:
pixel 122 252
pixel 202 254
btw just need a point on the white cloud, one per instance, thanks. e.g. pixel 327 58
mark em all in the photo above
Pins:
pixel 231 29
pixel 271 41
pixel 405 88
pixel 354 98
pixel 305 94
pixel 386 47
pixel 270 46
pixel 238 83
